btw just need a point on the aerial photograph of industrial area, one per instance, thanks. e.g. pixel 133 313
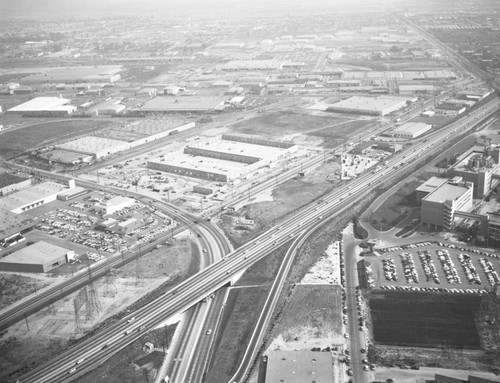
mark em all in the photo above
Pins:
pixel 250 191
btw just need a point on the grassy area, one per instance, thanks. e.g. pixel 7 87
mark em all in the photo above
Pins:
pixel 14 142
pixel 336 135
pixel 15 287
pixel 240 315
pixel 121 368
pixel 276 124
pixel 398 209
pixel 424 320
pixel 316 307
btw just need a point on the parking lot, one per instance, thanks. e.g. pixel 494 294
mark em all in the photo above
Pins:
pixel 436 267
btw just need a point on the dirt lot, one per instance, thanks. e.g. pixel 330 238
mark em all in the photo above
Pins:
pixel 14 142
pixel 425 320
pixel 311 318
pixel 51 328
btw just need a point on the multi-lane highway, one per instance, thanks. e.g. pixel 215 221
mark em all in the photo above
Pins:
pixel 214 276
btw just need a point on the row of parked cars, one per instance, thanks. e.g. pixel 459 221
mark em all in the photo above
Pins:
pixel 490 271
pixel 469 269
pixel 433 289
pixel 390 272
pixel 428 266
pixel 449 268
pixel 409 269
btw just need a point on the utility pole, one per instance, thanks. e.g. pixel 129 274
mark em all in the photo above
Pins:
pixel 26 320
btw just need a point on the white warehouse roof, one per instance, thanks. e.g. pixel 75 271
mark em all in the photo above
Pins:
pixel 412 129
pixel 41 104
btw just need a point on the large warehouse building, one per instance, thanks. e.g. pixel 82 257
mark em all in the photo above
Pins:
pixel 224 158
pixel 187 104
pixel 96 147
pixel 411 130
pixel 439 206
pixel 299 367
pixel 37 258
pixel 375 106
pixel 44 107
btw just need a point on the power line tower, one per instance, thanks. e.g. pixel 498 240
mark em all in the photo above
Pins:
pixel 93 305
pixel 78 302
pixel 109 283
pixel 138 272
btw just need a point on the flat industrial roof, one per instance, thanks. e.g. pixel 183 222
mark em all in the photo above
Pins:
pixel 446 192
pixel 413 127
pixel 39 253
pixel 41 104
pixel 432 184
pixel 243 149
pixel 299 367
pixel 369 103
pixel 182 103
pixel 31 194
pixel 92 144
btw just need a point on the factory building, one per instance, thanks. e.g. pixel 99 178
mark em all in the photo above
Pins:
pixel 250 65
pixel 411 130
pixel 186 104
pixel 114 204
pixel 75 74
pixel 429 186
pixel 32 197
pixel 12 226
pixel 40 257
pixel 375 106
pixel 477 165
pixel 44 107
pixel 439 206
pixel 493 232
pixel 188 172
pixel 97 147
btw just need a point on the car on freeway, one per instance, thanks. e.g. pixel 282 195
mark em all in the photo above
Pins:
pixel 72 371
pixel 80 361
pixel 204 250
pixel 141 328
pixel 209 331
pixel 131 320
pixel 105 347
pixel 128 331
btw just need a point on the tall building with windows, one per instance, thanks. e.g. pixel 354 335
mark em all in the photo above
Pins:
pixel 439 206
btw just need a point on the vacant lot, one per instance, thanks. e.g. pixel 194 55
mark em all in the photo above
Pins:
pixel 242 310
pixel 14 142
pixel 15 287
pixel 426 320
pixel 281 123
pixel 311 318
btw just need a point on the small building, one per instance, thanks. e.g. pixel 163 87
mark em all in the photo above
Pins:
pixel 114 204
pixel 72 193
pixel 451 108
pixel 107 225
pixel 389 146
pixel 40 257
pixel 237 100
pixel 299 367
pixel 128 226
pixel 411 130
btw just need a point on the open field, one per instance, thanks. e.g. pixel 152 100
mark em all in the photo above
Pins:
pixel 14 142
pixel 311 318
pixel 398 209
pixel 424 320
pixel 277 124
pixel 14 287
pixel 242 311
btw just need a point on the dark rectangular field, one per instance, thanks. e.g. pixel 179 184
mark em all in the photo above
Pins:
pixel 425 320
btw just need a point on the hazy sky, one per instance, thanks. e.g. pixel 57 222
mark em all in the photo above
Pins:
pixel 85 8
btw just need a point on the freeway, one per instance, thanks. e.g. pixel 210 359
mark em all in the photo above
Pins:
pixel 192 290
pixel 356 343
